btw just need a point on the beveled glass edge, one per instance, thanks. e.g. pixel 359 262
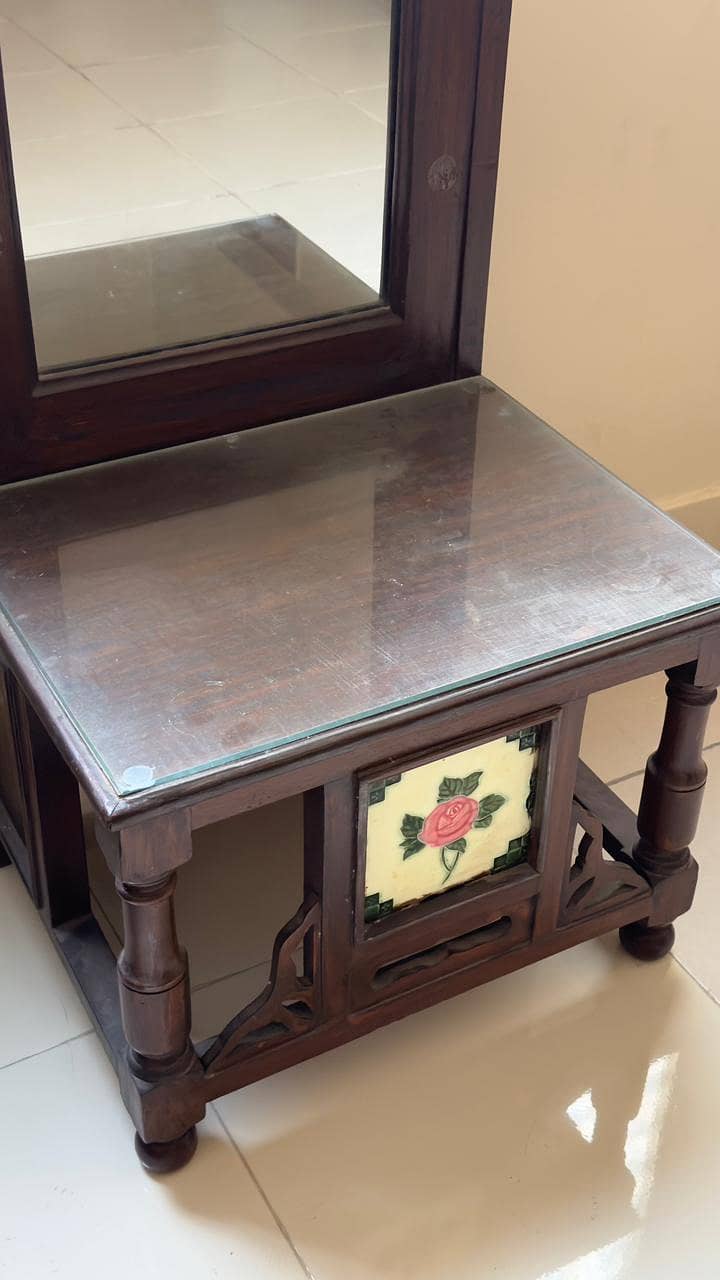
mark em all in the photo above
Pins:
pixel 54 372
pixel 214 767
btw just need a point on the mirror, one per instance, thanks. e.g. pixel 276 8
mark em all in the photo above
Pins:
pixel 190 170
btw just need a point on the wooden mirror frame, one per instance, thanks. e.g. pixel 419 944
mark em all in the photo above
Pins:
pixel 446 102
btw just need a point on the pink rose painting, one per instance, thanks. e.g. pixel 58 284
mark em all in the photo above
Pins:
pixel 446 827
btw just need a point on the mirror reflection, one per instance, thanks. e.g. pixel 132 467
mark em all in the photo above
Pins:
pixel 187 170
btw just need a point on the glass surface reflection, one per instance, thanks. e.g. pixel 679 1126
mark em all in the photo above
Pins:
pixel 194 607
pixel 191 170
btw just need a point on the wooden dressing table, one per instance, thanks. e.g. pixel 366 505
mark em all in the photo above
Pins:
pixel 397 610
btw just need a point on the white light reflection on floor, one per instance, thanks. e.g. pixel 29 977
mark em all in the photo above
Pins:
pixel 608 1263
pixel 611 1261
pixel 643 1132
pixel 583 1115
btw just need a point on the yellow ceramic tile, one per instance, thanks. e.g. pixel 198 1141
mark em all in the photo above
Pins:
pixel 441 823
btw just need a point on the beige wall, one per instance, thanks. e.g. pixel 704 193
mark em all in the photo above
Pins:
pixel 604 308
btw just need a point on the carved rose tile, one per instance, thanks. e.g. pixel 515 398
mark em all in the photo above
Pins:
pixel 440 824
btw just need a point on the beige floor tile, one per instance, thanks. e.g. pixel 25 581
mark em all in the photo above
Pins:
pixel 133 224
pixel 558 1123
pixel 69 179
pixel 20 53
pixel 290 142
pixel 85 32
pixel 38 1005
pixel 77 1201
pixel 342 60
pixel 622 726
pixel 275 19
pixel 243 884
pixel 697 944
pixel 53 103
pixel 344 215
pixel 374 102
pixel 214 1005
pixel 231 76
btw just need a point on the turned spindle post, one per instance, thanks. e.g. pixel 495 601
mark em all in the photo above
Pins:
pixel 670 802
pixel 161 1075
pixel 155 1003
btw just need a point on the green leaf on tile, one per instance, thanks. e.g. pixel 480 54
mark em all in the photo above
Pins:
pixel 411 824
pixel 460 845
pixel 450 787
pixel 491 804
pixel 470 783
pixel 411 845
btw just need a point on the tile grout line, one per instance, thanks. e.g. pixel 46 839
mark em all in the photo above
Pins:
pixel 70 1040
pixel 236 973
pixel 637 773
pixel 614 782
pixel 263 1195
pixel 706 990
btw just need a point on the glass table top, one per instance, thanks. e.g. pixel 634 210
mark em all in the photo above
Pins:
pixel 197 606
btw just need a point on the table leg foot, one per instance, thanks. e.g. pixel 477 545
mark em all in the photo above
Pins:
pixel 647 942
pixel 167 1157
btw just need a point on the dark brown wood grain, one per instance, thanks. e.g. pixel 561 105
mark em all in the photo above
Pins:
pixel 144 853
pixel 670 808
pixel 556 798
pixel 160 1072
pixel 494 39
pixel 18 370
pixel 329 854
pixel 50 848
pixel 234 598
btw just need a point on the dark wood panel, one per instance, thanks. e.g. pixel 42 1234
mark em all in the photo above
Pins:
pixel 439 133
pixel 54 840
pixel 618 820
pixel 18 370
pixel 494 40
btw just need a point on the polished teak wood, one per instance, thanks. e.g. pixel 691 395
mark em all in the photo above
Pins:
pixel 196 633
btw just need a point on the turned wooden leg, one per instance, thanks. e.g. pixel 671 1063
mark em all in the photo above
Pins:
pixel 155 1003
pixel 161 1077
pixel 669 810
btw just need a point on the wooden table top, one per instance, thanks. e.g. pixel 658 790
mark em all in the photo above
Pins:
pixel 189 609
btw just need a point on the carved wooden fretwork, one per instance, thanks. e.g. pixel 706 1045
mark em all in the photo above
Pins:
pixel 288 1006
pixel 592 882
